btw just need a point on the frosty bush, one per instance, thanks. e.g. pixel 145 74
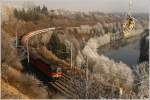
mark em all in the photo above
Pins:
pixel 142 80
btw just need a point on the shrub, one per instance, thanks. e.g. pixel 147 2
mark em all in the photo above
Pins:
pixel 142 80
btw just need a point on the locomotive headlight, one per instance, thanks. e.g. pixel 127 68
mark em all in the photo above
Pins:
pixel 57 75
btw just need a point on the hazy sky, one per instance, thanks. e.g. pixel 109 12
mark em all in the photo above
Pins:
pixel 87 5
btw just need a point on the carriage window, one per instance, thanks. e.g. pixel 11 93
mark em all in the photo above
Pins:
pixel 59 70
pixel 52 69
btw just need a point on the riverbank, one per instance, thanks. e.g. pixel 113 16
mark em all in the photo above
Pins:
pixel 128 54
pixel 126 50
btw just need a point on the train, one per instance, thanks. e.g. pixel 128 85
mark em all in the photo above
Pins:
pixel 48 68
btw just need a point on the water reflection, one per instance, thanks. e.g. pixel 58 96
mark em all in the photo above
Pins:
pixel 126 51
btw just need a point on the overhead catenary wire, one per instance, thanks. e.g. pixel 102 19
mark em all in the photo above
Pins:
pixel 27 37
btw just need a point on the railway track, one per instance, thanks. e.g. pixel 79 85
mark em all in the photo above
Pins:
pixel 66 85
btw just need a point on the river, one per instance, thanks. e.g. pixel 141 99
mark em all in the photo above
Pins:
pixel 126 51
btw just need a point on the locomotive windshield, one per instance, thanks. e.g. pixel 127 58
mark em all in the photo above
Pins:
pixel 55 68
pixel 52 68
pixel 59 69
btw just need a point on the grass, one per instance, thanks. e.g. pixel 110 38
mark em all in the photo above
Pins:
pixel 8 91
pixel 25 83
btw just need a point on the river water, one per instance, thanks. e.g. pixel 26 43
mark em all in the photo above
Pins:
pixel 127 51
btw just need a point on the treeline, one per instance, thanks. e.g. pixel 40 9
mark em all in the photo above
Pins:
pixel 62 18
pixel 23 20
pixel 31 14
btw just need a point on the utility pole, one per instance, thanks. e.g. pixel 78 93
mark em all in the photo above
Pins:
pixel 28 56
pixel 16 39
pixel 130 7
pixel 86 77
pixel 71 53
pixel 16 35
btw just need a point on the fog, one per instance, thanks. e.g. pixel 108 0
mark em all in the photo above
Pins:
pixel 85 5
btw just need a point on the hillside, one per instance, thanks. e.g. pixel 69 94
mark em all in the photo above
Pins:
pixel 80 33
